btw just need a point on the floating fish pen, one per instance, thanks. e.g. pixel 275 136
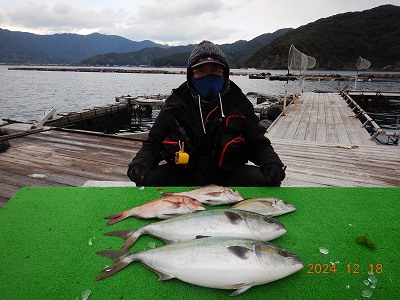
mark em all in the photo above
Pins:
pixel 102 119
pixel 283 77
pixel 143 105
pixel 259 76
pixel 370 100
pixel 137 114
pixel 109 118
pixel 359 102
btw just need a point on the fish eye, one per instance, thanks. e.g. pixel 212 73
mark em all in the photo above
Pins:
pixel 284 253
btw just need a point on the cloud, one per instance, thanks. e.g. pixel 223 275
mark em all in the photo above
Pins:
pixel 177 22
pixel 61 17
pixel 171 9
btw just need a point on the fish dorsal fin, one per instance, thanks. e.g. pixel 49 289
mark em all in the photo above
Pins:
pixel 240 251
pixel 233 217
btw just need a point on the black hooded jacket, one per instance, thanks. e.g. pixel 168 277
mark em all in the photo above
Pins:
pixel 218 134
pixel 228 142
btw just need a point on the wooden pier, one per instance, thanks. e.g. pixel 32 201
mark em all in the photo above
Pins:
pixel 319 140
pixel 323 144
pixel 320 117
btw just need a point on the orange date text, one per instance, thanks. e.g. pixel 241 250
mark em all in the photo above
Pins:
pixel 329 268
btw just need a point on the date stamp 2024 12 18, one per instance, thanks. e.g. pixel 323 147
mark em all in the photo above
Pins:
pixel 329 268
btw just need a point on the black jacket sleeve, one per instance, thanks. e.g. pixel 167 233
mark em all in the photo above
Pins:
pixel 258 147
pixel 149 156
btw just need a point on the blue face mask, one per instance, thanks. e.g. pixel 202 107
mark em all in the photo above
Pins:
pixel 209 86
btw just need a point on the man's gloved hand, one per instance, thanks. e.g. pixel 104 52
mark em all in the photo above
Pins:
pixel 274 174
pixel 137 173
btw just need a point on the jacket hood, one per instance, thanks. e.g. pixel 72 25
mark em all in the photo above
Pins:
pixel 205 50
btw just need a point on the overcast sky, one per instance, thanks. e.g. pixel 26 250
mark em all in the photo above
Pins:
pixel 173 22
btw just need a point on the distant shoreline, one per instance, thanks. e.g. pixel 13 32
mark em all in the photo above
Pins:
pixel 316 75
pixel 96 70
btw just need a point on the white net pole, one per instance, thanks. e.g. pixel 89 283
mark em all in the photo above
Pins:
pixel 355 81
pixel 361 64
pixel 284 100
pixel 300 61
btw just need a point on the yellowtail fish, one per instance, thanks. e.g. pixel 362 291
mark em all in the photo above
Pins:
pixel 162 208
pixel 215 262
pixel 265 206
pixel 210 223
pixel 212 195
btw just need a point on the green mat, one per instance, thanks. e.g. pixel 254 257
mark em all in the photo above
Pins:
pixel 49 236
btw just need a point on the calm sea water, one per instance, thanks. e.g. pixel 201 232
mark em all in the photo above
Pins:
pixel 26 95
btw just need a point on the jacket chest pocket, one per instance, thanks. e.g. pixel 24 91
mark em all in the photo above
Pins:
pixel 234 124
pixel 232 152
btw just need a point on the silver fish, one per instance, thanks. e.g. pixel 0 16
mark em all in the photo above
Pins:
pixel 217 222
pixel 265 206
pixel 215 262
pixel 212 195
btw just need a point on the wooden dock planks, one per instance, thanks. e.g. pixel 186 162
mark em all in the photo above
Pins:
pixel 320 117
pixel 321 164
pixel 65 158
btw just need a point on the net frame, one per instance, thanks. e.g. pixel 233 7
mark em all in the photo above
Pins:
pixel 361 64
pixel 297 60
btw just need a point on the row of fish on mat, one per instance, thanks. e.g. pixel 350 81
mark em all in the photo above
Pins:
pixel 218 248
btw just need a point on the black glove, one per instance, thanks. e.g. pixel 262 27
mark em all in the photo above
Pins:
pixel 137 173
pixel 274 174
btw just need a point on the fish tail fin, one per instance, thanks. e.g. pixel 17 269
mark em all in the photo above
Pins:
pixel 130 237
pixel 121 260
pixel 118 216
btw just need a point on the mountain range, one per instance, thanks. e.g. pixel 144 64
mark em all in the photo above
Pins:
pixel 336 42
pixel 67 48
pixel 237 53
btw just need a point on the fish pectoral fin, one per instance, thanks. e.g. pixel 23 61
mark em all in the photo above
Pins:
pixel 177 204
pixel 233 217
pixel 168 216
pixel 240 288
pixel 213 194
pixel 240 251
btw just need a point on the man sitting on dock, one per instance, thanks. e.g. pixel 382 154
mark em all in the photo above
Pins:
pixel 207 131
